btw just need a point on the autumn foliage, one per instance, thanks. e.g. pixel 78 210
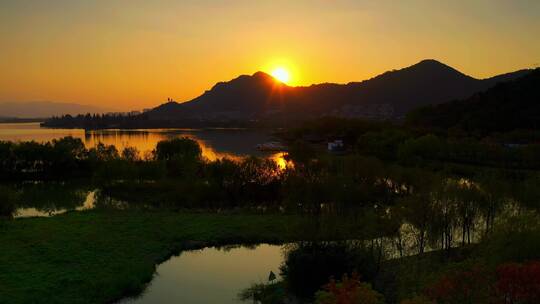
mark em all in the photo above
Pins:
pixel 510 283
pixel 518 283
pixel 470 286
pixel 348 291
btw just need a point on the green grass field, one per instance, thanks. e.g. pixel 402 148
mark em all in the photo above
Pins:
pixel 101 256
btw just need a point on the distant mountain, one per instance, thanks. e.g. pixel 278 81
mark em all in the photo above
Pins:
pixel 505 107
pixel 387 96
pixel 18 120
pixel 44 109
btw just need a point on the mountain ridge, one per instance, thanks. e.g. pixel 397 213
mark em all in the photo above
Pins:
pixel 507 106
pixel 44 109
pixel 389 95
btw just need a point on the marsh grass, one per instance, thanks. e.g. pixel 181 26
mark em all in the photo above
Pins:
pixel 101 256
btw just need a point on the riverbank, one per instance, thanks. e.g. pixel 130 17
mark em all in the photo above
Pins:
pixel 101 256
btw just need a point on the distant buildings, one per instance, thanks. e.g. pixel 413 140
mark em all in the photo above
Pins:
pixel 336 146
pixel 130 113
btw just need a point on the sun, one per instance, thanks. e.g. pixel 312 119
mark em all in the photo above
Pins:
pixel 281 74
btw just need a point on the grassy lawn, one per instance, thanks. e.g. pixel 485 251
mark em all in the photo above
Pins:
pixel 100 256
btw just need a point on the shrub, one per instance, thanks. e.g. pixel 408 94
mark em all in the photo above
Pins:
pixel 518 283
pixel 348 291
pixel 469 286
pixel 311 265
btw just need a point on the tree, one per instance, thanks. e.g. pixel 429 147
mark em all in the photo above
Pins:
pixel 130 154
pixel 103 153
pixel 69 147
pixel 178 148
pixel 66 154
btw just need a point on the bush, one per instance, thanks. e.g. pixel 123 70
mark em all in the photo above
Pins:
pixel 519 283
pixel 468 286
pixel 311 265
pixel 348 291
pixel 508 283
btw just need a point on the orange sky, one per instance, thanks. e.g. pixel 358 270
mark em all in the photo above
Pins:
pixel 131 54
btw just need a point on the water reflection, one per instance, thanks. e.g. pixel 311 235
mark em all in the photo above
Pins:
pixel 88 203
pixel 51 198
pixel 215 143
pixel 32 131
pixel 211 275
pixel 54 198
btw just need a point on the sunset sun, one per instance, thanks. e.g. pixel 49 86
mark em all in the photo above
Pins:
pixel 281 74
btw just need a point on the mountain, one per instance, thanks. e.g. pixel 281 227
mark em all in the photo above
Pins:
pixel 505 107
pixel 18 120
pixel 388 96
pixel 43 109
pixel 240 98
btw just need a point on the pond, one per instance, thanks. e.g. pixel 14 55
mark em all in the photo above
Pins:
pixel 211 275
pixel 48 199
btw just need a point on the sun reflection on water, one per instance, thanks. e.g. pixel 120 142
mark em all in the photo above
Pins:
pixel 234 144
pixel 281 160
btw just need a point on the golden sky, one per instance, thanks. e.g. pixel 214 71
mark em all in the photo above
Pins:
pixel 132 54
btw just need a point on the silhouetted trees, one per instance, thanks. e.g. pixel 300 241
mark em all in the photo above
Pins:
pixel 309 266
pixel 7 202
pixel 435 209
pixel 506 107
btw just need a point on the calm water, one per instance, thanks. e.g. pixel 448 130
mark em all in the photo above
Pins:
pixel 215 143
pixel 211 275
pixel 50 199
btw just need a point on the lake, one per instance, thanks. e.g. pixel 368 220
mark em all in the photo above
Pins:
pixel 210 275
pixel 50 199
pixel 215 143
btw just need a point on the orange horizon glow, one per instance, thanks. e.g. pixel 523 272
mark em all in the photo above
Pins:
pixel 131 55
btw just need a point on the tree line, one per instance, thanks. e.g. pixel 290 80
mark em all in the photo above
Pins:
pixel 417 207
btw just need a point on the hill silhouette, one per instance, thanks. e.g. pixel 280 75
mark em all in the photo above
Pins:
pixel 387 96
pixel 505 107
pixel 44 109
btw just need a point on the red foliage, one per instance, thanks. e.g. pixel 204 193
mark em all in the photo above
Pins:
pixel 470 286
pixel 348 291
pixel 344 293
pixel 518 283
pixel 512 283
